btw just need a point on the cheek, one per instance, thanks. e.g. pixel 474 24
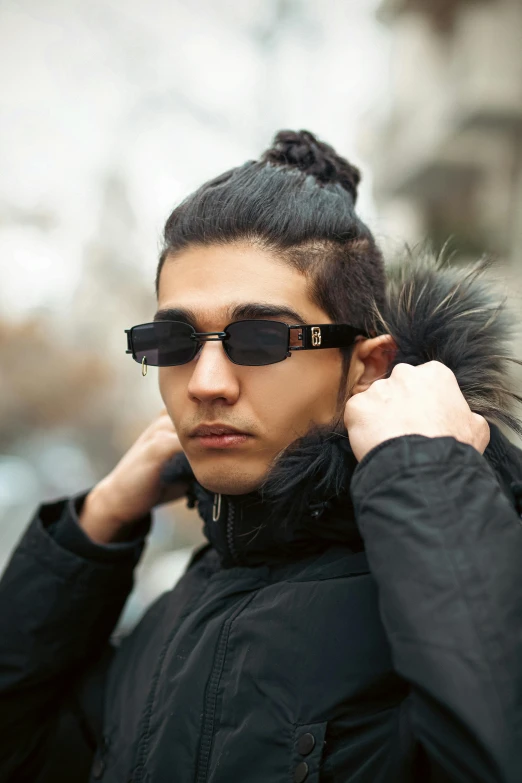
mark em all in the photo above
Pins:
pixel 292 394
pixel 165 384
pixel 173 389
pixel 319 388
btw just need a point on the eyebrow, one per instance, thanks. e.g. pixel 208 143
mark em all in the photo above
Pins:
pixel 244 311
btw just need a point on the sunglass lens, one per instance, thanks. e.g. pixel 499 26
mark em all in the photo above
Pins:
pixel 255 343
pixel 164 343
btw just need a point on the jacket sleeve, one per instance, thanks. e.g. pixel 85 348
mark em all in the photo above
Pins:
pixel 60 598
pixel 444 544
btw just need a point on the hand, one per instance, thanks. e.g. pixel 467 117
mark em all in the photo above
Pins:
pixel 423 400
pixel 133 487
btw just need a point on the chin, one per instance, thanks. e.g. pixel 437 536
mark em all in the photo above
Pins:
pixel 229 482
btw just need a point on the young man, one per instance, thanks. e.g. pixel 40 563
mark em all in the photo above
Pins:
pixel 355 615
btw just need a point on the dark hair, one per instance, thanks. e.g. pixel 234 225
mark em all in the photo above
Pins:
pixel 297 201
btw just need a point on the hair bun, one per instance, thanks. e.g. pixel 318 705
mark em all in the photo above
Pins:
pixel 302 150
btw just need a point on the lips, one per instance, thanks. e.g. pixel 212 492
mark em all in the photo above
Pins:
pixel 208 430
pixel 219 437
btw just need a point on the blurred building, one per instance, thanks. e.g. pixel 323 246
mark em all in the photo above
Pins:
pixel 448 159
pixel 446 151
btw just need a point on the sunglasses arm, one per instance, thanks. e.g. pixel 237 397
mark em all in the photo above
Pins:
pixel 315 336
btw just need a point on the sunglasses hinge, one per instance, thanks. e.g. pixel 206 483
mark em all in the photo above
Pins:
pixel 300 331
pixel 129 342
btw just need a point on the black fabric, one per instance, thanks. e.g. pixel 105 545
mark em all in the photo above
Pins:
pixel 67 532
pixel 374 606
pixel 396 658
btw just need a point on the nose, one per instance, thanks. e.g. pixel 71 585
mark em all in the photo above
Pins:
pixel 214 377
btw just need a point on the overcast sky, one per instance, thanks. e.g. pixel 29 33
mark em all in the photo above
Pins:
pixel 162 95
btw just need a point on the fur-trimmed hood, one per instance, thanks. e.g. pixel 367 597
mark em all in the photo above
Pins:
pixel 455 315
pixel 434 311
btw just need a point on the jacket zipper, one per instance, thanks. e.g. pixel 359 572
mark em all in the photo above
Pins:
pixel 231 512
pixel 207 731
pixel 230 532
pixel 209 714
pixel 213 683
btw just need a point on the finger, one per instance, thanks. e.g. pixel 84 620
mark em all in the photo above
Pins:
pixel 163 420
pixel 164 442
pixel 165 429
pixel 159 424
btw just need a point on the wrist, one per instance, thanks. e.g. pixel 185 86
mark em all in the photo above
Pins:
pixel 98 521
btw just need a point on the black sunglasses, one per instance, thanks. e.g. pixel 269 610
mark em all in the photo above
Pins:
pixel 253 343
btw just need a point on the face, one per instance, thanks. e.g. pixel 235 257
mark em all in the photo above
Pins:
pixel 273 404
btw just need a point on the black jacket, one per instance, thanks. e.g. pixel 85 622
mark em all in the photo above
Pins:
pixel 355 623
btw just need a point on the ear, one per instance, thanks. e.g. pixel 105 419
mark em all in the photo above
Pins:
pixel 371 360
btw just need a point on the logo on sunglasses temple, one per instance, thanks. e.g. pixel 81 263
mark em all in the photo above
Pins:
pixel 316 336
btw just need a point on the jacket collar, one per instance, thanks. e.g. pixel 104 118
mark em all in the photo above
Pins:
pixel 251 529
pixel 433 312
pixel 265 528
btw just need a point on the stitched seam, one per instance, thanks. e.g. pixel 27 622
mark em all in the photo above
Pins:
pixel 144 735
pixel 433 515
pixel 476 628
pixel 211 694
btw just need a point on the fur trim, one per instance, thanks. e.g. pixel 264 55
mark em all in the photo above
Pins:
pixel 452 314
pixel 310 474
pixel 434 311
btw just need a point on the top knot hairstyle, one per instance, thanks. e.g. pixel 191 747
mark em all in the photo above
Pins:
pixel 304 152
pixel 298 202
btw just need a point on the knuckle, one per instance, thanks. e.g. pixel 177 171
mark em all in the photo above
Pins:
pixel 439 367
pixel 352 406
pixel 402 367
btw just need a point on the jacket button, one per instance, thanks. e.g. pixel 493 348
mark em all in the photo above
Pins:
pixel 306 744
pixel 301 772
pixel 98 769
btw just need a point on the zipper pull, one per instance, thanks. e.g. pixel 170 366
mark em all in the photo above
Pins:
pixel 216 507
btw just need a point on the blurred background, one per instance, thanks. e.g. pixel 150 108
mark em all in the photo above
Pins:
pixel 112 112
